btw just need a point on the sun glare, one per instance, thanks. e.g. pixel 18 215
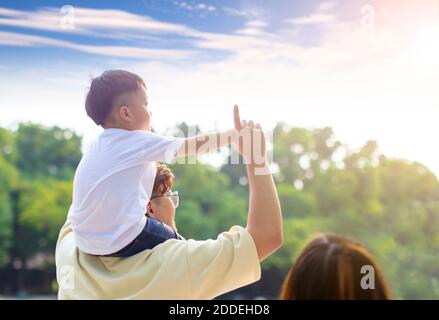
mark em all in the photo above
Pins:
pixel 424 48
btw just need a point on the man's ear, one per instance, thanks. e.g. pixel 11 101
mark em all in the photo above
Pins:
pixel 150 211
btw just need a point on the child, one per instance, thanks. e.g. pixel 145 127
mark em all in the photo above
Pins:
pixel 114 179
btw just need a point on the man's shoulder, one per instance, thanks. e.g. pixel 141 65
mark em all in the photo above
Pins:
pixel 235 238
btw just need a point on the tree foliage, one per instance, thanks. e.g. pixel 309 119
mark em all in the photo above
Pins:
pixel 391 205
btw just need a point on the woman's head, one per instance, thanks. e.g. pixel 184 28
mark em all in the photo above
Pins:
pixel 161 205
pixel 333 267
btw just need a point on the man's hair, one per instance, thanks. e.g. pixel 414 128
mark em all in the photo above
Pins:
pixel 104 90
pixel 164 180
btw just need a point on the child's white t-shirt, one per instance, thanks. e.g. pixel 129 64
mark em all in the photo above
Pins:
pixel 113 185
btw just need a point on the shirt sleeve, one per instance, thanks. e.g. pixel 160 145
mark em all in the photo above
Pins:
pixel 160 148
pixel 222 265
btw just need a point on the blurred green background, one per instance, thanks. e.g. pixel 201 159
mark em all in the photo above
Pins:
pixel 390 205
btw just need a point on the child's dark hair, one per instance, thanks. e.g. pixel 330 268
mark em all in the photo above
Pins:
pixel 104 90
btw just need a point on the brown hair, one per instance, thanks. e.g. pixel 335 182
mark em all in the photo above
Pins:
pixel 164 180
pixel 104 90
pixel 330 267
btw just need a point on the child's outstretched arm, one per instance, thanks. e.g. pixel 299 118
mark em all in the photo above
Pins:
pixel 207 142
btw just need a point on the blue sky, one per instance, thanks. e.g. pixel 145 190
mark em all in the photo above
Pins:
pixel 221 17
pixel 369 69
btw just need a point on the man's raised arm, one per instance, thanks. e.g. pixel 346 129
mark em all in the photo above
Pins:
pixel 264 221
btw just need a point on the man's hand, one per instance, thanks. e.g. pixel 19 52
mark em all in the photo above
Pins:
pixel 249 140
pixel 264 221
pixel 236 118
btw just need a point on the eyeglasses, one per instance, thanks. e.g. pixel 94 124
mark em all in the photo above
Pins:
pixel 175 198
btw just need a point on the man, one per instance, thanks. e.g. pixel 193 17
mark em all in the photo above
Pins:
pixel 185 269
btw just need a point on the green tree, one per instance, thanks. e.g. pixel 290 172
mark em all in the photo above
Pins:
pixel 8 181
pixel 207 191
pixel 43 209
pixel 47 152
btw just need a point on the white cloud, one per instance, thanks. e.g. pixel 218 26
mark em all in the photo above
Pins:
pixel 256 24
pixel 121 24
pixel 198 7
pixel 326 6
pixel 10 12
pixel 18 39
pixel 110 23
pixel 87 20
pixel 249 13
pixel 320 16
pixel 253 28
pixel 105 23
pixel 317 18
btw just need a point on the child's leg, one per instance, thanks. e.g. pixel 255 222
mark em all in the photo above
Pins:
pixel 154 233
